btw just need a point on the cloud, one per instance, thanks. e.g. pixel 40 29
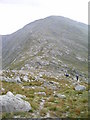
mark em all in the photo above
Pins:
pixel 21 2
pixel 14 14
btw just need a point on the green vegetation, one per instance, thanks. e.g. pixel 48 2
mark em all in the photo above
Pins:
pixel 75 105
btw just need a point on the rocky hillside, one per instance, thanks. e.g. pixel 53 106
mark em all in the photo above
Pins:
pixel 40 63
pixel 51 44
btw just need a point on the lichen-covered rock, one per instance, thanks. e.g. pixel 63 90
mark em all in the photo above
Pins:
pixel 11 103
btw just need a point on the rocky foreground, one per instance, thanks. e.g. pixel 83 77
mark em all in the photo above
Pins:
pixel 27 95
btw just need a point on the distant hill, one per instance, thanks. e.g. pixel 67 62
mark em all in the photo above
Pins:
pixel 53 44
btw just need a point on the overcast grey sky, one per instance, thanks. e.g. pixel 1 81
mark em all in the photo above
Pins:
pixel 14 14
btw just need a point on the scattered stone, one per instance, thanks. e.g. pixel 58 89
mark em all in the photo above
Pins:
pixel 42 104
pixel 11 103
pixel 75 83
pixel 22 87
pixel 55 83
pixel 41 79
pixel 25 78
pixel 41 93
pixel 49 85
pixel 34 87
pixel 80 58
pixel 18 116
pixel 17 79
pixel 2 89
pixel 80 87
pixel 47 115
pixel 20 96
pixel 60 96
pixel 9 94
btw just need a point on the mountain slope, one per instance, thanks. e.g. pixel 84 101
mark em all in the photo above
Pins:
pixel 51 44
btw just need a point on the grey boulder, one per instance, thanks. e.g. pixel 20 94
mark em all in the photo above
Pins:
pixel 60 96
pixel 80 87
pixel 11 103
